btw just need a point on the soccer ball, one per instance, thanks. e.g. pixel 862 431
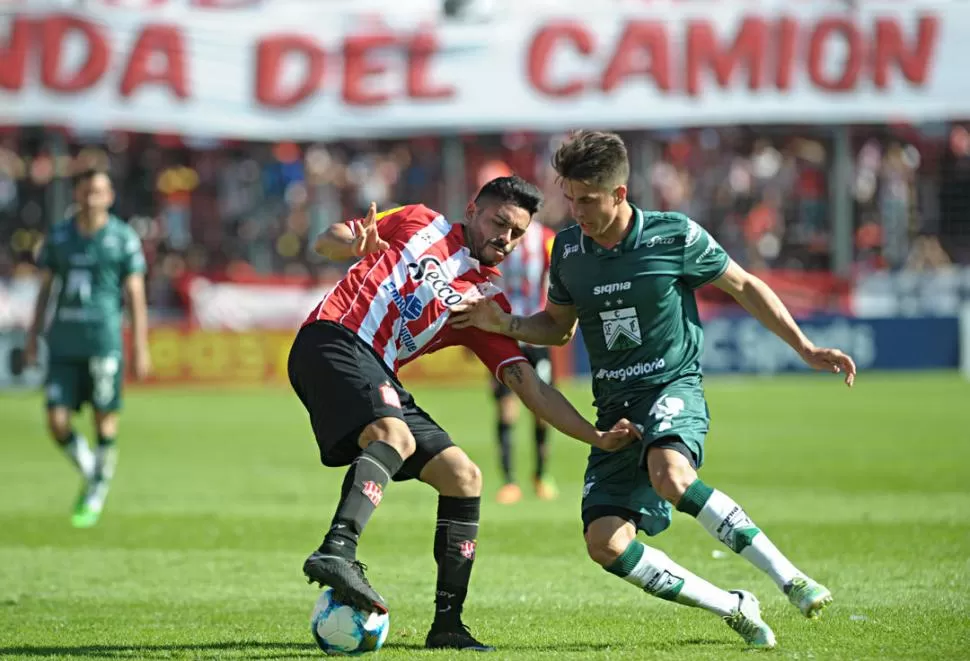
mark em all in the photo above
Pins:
pixel 343 630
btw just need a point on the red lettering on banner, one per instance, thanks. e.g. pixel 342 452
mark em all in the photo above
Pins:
pixel 54 74
pixel 13 55
pixel 852 63
pixel 540 52
pixel 785 52
pixel 703 50
pixel 366 78
pixel 360 65
pixel 270 55
pixel 644 51
pixel 640 39
pixel 154 41
pixel 890 46
pixel 421 50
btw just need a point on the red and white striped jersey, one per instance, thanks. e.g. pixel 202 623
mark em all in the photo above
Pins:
pixel 525 271
pixel 398 300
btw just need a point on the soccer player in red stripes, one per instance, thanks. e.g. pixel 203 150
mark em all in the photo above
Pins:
pixel 391 308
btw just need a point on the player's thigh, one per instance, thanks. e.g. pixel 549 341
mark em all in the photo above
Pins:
pixel 674 416
pixel 344 388
pixel 430 441
pixel 615 484
pixel 63 384
pixel 102 383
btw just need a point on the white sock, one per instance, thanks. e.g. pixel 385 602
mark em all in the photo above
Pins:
pixel 725 520
pixel 655 573
pixel 79 452
pixel 107 459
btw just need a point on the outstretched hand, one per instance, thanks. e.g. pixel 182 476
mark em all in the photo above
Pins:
pixel 831 360
pixel 368 240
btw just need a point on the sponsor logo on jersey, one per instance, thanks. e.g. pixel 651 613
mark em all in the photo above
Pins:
pixel 428 270
pixel 569 249
pixel 633 371
pixel 709 250
pixel 612 288
pixel 658 240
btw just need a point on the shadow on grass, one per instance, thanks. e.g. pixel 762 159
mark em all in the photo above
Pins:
pixel 271 650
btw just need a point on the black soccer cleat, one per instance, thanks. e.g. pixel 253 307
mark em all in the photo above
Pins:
pixel 347 578
pixel 454 636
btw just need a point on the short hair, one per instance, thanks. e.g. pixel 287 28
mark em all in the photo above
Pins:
pixel 514 190
pixel 595 158
pixel 90 173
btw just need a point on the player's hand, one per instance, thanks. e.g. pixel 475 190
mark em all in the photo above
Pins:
pixel 368 240
pixel 622 434
pixel 143 364
pixel 831 360
pixel 484 313
pixel 30 351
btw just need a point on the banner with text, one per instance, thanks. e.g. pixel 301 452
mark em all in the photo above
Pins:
pixel 276 75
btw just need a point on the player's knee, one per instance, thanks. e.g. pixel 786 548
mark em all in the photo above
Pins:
pixel 107 424
pixel 672 482
pixel 392 431
pixel 59 425
pixel 468 479
pixel 604 549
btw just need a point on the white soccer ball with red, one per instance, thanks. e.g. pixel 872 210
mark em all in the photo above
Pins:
pixel 340 629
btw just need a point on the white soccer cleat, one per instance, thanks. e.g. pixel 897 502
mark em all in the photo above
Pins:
pixel 808 596
pixel 747 622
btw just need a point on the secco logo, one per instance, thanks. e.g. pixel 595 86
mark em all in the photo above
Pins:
pixel 640 369
pixel 428 270
pixel 658 240
pixel 612 288
pixel 569 249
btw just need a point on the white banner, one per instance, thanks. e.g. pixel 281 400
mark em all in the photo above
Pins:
pixel 274 75
pixel 234 306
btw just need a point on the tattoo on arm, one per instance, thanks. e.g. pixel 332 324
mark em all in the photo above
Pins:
pixel 514 372
pixel 515 324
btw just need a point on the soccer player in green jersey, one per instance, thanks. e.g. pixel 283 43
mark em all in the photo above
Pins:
pixel 628 276
pixel 96 258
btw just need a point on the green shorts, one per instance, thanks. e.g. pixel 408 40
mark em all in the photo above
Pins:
pixel 617 483
pixel 73 381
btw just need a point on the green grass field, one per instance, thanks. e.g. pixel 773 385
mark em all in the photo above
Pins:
pixel 219 497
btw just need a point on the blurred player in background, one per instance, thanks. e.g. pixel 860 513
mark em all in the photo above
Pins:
pixel 524 280
pixel 628 276
pixel 391 308
pixel 96 259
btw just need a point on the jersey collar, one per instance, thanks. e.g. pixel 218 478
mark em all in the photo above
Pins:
pixel 629 243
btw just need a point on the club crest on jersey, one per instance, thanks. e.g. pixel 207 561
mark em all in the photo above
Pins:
pixel 621 329
pixel 373 492
pixel 467 549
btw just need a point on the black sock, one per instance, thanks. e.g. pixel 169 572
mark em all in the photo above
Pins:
pixel 542 450
pixel 105 441
pixel 505 449
pixel 67 440
pixel 361 493
pixel 455 539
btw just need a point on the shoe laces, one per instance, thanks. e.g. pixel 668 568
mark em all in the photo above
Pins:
pixel 361 569
pixel 742 624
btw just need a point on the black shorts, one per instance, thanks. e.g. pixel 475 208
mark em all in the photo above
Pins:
pixel 345 387
pixel 541 362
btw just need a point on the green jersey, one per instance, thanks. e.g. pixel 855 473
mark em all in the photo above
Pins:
pixel 635 301
pixel 92 272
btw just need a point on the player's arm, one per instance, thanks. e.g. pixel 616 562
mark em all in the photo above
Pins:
pixel 345 241
pixel 763 304
pixel 550 405
pixel 555 325
pixel 135 288
pixel 40 310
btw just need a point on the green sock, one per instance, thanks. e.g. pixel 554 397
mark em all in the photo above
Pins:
pixel 694 498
